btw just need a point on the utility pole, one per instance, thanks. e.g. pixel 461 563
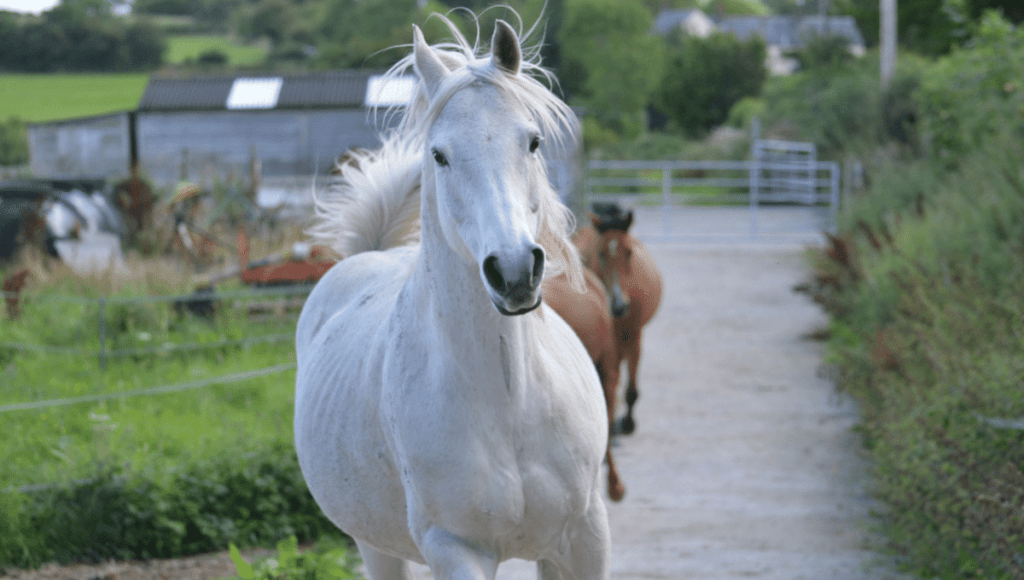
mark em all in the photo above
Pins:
pixel 888 40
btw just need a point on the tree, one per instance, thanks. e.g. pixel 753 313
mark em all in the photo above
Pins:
pixel 705 77
pixel 270 19
pixel 146 46
pixel 611 63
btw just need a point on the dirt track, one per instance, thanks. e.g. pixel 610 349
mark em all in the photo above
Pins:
pixel 743 464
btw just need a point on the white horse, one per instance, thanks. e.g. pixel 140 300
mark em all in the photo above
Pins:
pixel 443 414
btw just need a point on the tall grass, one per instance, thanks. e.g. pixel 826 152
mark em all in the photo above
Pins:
pixel 924 287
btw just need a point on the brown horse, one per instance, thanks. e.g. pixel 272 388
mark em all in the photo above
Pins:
pixel 589 317
pixel 633 283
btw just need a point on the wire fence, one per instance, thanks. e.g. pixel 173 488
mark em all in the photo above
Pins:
pixel 182 301
pixel 105 348
pixel 163 389
pixel 100 307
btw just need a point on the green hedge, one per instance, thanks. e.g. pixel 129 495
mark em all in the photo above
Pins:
pixel 925 287
pixel 249 500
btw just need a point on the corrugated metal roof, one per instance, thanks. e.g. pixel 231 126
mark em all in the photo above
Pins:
pixel 336 89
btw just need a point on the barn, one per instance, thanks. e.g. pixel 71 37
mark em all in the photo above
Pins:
pixel 209 128
pixel 214 129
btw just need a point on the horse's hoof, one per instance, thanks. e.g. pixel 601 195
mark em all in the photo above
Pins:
pixel 616 491
pixel 625 426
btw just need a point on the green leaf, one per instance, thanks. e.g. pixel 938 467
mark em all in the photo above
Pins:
pixel 243 567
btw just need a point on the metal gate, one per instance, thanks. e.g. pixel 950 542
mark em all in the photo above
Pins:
pixel 783 193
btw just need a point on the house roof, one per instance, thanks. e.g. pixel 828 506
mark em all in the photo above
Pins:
pixel 789 32
pixel 669 19
pixel 323 90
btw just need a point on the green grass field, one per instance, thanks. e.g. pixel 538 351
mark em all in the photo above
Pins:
pixel 67 441
pixel 52 97
pixel 181 49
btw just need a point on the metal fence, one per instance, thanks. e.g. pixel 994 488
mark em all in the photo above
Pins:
pixel 785 177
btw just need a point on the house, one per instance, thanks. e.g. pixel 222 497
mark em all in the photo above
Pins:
pixel 782 34
pixel 785 34
pixel 207 128
pixel 692 22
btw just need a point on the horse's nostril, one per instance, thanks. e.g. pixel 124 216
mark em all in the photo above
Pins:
pixel 538 267
pixel 493 274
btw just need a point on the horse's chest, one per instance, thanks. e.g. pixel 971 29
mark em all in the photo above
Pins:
pixel 491 493
pixel 500 477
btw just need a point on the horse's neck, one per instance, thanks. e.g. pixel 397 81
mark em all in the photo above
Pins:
pixel 456 304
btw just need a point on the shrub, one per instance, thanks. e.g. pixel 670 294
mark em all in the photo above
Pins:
pixel 837 109
pixel 923 285
pixel 251 499
pixel 212 58
pixel 13 142
pixel 975 92
pixel 329 560
pixel 610 62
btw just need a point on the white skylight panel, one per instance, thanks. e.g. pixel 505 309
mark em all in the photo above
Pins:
pixel 254 93
pixel 381 92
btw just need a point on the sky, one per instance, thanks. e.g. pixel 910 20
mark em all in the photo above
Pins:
pixel 33 6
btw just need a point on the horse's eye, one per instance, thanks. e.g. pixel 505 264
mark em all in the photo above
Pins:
pixel 534 144
pixel 440 158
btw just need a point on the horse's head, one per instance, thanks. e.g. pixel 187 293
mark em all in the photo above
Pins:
pixel 483 170
pixel 612 256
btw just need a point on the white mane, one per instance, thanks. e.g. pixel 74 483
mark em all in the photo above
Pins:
pixel 374 203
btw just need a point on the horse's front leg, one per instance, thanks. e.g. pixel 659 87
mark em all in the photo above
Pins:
pixel 380 566
pixel 632 394
pixel 451 558
pixel 589 545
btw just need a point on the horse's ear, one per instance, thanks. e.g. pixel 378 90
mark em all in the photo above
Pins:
pixel 596 221
pixel 505 48
pixel 629 220
pixel 429 67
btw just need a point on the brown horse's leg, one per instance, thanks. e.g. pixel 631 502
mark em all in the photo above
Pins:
pixel 609 382
pixel 608 372
pixel 632 394
pixel 615 488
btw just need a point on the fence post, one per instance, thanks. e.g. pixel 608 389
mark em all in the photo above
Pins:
pixel 666 198
pixel 755 185
pixel 834 194
pixel 103 332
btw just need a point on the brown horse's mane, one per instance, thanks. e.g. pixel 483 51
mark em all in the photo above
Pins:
pixel 610 217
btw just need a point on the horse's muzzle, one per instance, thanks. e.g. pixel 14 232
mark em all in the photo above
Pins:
pixel 519 312
pixel 515 283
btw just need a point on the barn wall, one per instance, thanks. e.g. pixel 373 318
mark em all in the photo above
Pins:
pixel 218 144
pixel 94 147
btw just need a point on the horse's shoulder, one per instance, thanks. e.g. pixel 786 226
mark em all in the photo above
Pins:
pixel 357 285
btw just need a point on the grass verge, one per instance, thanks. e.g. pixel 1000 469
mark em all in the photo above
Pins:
pixel 924 286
